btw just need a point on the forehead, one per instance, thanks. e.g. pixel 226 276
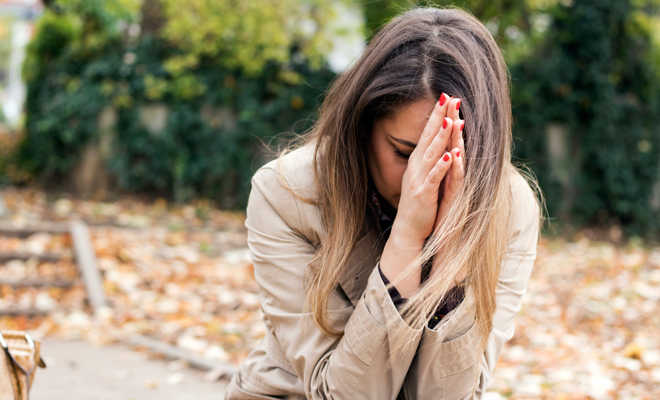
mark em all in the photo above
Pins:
pixel 409 122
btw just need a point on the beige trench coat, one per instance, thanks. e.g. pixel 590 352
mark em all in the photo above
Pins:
pixel 295 360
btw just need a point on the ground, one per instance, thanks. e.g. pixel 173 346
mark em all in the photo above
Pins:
pixel 78 370
pixel 588 327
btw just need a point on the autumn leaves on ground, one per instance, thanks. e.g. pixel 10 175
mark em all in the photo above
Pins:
pixel 589 326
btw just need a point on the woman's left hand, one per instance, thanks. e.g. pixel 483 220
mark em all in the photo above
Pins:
pixel 453 180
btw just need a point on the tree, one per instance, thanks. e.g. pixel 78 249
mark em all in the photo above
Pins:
pixel 512 22
pixel 247 34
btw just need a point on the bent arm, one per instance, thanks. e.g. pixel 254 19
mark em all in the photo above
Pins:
pixel 514 275
pixel 360 363
pixel 432 365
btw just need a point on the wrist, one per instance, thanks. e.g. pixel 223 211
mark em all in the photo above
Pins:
pixel 403 239
pixel 399 253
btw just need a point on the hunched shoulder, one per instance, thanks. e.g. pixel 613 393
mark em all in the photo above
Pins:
pixel 525 212
pixel 285 184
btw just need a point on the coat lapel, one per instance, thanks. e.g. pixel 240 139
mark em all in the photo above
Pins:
pixel 361 262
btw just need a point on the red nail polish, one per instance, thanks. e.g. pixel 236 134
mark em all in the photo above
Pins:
pixel 462 125
pixel 444 124
pixel 445 158
pixel 458 105
pixel 458 154
pixel 443 98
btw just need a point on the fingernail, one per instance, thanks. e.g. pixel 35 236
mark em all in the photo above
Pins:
pixel 445 158
pixel 462 125
pixel 458 154
pixel 443 99
pixel 458 105
pixel 444 123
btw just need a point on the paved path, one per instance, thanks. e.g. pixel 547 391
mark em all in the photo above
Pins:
pixel 80 371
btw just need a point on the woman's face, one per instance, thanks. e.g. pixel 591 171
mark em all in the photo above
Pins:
pixel 391 142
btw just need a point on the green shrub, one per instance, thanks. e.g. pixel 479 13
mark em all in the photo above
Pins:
pixel 595 73
pixel 81 62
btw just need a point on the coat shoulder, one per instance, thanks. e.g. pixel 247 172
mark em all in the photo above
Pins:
pixel 525 210
pixel 293 170
pixel 288 185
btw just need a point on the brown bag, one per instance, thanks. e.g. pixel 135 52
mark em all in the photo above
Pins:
pixel 19 358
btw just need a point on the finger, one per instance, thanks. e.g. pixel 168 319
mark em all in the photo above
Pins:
pixel 453 113
pixel 447 176
pixel 433 125
pixel 437 147
pixel 438 172
pixel 457 134
pixel 455 174
pixel 453 108
pixel 461 145
pixel 456 170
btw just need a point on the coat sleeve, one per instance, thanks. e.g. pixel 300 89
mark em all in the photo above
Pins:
pixel 357 365
pixel 515 271
pixel 514 276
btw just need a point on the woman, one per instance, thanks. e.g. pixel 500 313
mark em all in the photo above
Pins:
pixel 392 247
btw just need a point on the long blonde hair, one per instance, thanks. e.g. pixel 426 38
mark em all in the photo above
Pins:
pixel 417 56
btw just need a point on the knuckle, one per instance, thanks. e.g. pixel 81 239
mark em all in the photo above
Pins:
pixel 432 176
pixel 417 194
pixel 426 132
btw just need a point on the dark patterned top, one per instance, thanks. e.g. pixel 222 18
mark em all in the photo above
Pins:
pixel 455 295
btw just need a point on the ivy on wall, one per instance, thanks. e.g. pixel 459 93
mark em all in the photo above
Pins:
pixel 195 155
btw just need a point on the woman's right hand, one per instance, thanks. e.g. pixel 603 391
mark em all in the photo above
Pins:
pixel 427 166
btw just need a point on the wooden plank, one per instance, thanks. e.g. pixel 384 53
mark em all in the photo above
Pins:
pixel 8 228
pixel 24 256
pixel 30 312
pixel 86 260
pixel 38 282
pixel 175 353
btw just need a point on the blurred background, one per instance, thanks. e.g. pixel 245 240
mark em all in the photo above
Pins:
pixel 145 119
